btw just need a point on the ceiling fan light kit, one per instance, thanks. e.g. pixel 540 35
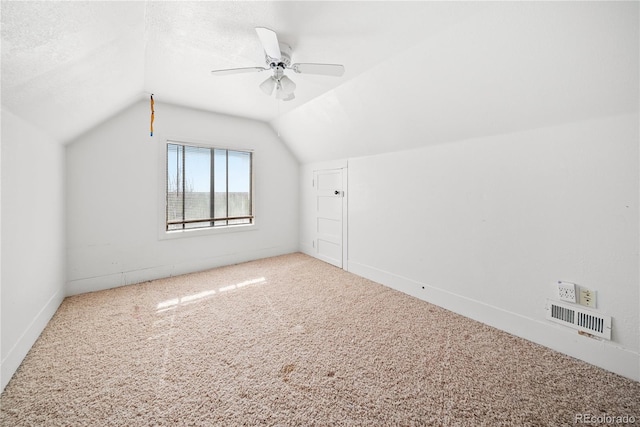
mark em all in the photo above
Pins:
pixel 278 59
pixel 287 85
pixel 268 85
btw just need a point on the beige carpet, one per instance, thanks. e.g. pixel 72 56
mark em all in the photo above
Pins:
pixel 292 341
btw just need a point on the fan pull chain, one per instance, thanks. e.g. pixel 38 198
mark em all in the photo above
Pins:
pixel 278 116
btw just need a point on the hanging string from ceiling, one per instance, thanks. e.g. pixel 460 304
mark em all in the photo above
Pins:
pixel 277 117
pixel 153 114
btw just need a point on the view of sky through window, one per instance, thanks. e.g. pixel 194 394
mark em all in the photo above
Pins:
pixel 198 167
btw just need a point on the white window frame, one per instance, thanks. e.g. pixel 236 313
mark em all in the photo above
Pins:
pixel 163 233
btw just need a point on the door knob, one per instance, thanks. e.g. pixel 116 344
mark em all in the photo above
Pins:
pixel 336 192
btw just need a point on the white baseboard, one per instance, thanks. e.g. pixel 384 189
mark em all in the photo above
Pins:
pixel 603 354
pixel 108 281
pixel 18 352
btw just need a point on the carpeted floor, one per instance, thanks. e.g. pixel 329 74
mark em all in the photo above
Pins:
pixel 292 341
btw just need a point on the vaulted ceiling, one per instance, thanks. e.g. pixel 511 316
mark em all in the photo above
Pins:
pixel 416 72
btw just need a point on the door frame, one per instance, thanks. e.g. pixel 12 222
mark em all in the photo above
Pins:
pixel 345 216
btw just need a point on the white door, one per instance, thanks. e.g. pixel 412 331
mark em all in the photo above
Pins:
pixel 328 215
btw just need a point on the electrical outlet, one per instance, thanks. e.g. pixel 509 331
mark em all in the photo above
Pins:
pixel 567 291
pixel 587 297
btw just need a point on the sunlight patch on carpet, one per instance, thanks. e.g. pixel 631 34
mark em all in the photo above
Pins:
pixel 174 302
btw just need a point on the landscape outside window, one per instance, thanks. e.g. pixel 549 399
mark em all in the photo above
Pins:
pixel 207 187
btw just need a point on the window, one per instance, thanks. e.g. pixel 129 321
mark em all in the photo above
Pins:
pixel 207 187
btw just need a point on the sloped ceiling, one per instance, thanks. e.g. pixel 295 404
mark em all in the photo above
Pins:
pixel 513 67
pixel 416 72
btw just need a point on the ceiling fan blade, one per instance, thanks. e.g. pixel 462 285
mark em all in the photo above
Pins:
pixel 237 71
pixel 269 40
pixel 322 69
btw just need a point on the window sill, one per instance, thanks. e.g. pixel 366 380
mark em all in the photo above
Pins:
pixel 199 232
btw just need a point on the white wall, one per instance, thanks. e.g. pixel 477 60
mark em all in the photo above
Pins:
pixel 33 260
pixel 486 227
pixel 113 184
pixel 489 225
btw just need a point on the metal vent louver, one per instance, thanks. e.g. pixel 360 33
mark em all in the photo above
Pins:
pixel 578 318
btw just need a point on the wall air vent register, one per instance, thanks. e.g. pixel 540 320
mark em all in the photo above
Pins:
pixel 578 318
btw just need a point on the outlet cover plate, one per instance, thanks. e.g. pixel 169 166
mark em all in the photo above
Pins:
pixel 587 297
pixel 567 291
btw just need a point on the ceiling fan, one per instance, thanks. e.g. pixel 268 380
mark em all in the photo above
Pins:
pixel 278 59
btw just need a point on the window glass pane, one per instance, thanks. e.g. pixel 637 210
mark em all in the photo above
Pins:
pixel 174 184
pixel 239 221
pixel 202 224
pixel 197 179
pixel 239 183
pixel 206 185
pixel 220 185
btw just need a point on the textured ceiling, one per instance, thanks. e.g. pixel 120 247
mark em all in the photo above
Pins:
pixel 417 73
pixel 66 66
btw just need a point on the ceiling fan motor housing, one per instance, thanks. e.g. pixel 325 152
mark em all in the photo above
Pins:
pixel 285 57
